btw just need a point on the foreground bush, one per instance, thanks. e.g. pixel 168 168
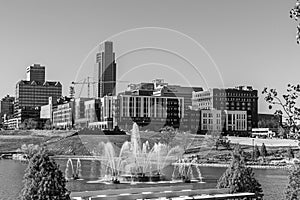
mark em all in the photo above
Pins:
pixel 239 178
pixel 43 180
pixel 293 188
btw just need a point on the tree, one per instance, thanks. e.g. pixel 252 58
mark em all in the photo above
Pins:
pixel 290 153
pixel 238 177
pixel 48 125
pixel 29 124
pixel 263 150
pixel 295 14
pixel 282 133
pixel 32 124
pixel 292 191
pixel 30 150
pixel 256 152
pixel 43 179
pixel 287 105
pixel 167 134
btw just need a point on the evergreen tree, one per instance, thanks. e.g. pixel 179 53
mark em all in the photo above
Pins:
pixel 238 177
pixel 256 152
pixel 293 189
pixel 263 150
pixel 43 179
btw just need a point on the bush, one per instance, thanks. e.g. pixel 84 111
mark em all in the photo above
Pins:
pixel 43 179
pixel 263 150
pixel 292 190
pixel 238 177
pixel 256 153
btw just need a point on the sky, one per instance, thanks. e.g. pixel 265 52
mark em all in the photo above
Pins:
pixel 208 43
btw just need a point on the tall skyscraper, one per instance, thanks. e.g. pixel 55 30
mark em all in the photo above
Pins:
pixel 35 72
pixel 106 71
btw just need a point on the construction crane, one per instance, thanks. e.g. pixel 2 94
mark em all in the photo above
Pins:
pixel 88 82
pixel 83 82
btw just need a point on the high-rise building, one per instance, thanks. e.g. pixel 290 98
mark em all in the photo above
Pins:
pixel 36 94
pixel 35 72
pixel 33 93
pixel 106 71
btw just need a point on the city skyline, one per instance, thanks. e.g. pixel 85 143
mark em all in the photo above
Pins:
pixel 250 48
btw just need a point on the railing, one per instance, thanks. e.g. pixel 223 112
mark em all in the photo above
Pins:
pixel 178 192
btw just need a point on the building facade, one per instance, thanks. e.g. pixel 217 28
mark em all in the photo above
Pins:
pixel 106 71
pixel 167 90
pixel 236 122
pixel 36 72
pixel 36 94
pixel 158 87
pixel 92 110
pixel 149 112
pixel 6 108
pixel 231 99
pixel 63 115
pixel 210 121
pixel 80 119
pixel 215 122
pixel 47 110
pixel 33 93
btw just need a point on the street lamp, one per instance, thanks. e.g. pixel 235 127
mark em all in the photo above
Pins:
pixel 252 149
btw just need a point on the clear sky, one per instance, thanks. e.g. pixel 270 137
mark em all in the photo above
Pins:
pixel 250 42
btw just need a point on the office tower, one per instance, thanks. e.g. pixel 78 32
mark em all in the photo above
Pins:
pixel 34 93
pixel 35 72
pixel 106 71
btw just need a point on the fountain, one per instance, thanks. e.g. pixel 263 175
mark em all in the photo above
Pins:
pixel 70 172
pixel 186 171
pixel 78 169
pixel 69 169
pixel 139 162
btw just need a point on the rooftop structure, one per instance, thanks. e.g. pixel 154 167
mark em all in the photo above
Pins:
pixel 35 72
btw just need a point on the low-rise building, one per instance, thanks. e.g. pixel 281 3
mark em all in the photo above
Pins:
pixel 80 119
pixel 210 121
pixel 6 108
pixel 92 111
pixel 63 115
pixel 240 98
pixel 149 112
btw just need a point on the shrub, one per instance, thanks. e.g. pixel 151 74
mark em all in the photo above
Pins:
pixel 238 177
pixel 292 191
pixel 43 179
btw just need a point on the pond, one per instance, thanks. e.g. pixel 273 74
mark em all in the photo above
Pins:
pixel 273 181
